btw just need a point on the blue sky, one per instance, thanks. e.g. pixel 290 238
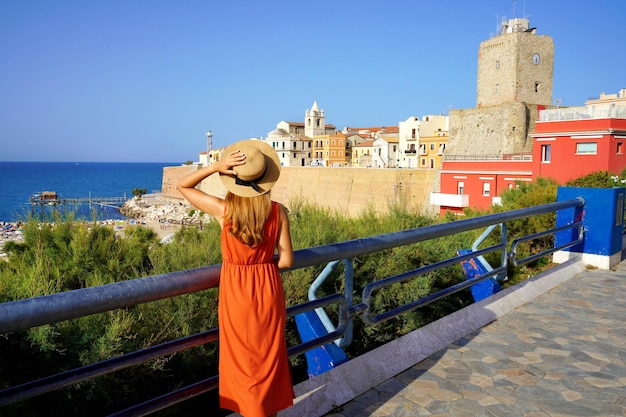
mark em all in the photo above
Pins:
pixel 143 80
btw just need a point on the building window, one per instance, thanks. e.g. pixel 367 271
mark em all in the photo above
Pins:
pixel 586 148
pixel 497 88
pixel 432 163
pixel 545 153
pixel 460 187
pixel 537 85
pixel 423 162
pixel 486 188
pixel 432 146
pixel 497 64
pixel 620 149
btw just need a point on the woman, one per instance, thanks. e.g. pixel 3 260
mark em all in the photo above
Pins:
pixel 255 378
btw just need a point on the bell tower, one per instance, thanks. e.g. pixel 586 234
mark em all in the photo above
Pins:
pixel 517 65
pixel 314 122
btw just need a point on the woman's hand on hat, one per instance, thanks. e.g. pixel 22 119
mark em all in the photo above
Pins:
pixel 231 160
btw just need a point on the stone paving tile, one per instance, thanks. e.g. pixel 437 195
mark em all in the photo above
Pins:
pixel 563 354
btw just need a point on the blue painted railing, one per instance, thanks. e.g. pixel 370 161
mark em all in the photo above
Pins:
pixel 24 314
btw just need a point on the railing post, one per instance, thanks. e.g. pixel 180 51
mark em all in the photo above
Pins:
pixel 603 222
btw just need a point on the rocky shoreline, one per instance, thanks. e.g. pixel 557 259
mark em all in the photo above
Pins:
pixel 155 207
pixel 164 215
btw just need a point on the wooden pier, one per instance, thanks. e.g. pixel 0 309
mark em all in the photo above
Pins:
pixel 51 199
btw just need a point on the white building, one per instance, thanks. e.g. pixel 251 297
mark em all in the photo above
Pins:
pixel 293 148
pixel 409 137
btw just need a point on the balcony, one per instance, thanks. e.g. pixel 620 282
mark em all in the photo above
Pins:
pixel 410 151
pixel 449 200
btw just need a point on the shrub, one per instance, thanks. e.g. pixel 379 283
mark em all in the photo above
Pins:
pixel 599 179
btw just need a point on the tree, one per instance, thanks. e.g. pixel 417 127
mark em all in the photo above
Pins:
pixel 138 192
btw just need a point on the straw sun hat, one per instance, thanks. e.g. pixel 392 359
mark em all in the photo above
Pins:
pixel 259 173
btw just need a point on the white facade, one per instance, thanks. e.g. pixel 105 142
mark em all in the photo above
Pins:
pixel 202 158
pixel 293 150
pixel 380 157
pixel 409 137
pixel 385 152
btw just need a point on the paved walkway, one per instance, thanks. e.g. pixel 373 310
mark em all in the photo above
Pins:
pixel 561 354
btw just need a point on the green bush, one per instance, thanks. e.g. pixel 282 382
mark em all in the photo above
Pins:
pixel 599 179
pixel 138 192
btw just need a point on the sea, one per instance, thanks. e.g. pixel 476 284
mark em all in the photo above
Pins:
pixel 74 180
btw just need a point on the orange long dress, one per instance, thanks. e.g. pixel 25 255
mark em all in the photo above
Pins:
pixel 255 379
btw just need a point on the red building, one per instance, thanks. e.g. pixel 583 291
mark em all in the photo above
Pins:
pixel 572 142
pixel 567 143
pixel 478 183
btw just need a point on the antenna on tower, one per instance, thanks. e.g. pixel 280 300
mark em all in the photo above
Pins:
pixel 498 24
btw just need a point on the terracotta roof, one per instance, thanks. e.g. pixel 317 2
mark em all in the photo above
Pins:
pixel 388 129
pixel 366 144
pixel 328 125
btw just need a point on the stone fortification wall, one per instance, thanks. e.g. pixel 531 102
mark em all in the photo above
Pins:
pixel 171 176
pixel 348 190
pixel 494 130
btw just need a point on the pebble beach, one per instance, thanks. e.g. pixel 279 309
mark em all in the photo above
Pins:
pixel 163 215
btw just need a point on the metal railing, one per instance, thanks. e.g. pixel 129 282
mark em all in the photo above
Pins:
pixel 606 111
pixel 24 314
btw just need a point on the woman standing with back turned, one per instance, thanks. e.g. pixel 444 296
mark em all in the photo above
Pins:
pixel 255 379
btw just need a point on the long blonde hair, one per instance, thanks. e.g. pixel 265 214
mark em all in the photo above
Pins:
pixel 247 217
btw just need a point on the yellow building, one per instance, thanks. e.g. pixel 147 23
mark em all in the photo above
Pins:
pixel 330 150
pixel 431 150
pixel 362 154
pixel 214 155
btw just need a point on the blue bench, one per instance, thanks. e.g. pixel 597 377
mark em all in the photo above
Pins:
pixel 475 267
pixel 322 358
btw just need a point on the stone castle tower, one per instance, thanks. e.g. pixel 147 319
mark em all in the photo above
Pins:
pixel 515 71
pixel 517 65
pixel 314 122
